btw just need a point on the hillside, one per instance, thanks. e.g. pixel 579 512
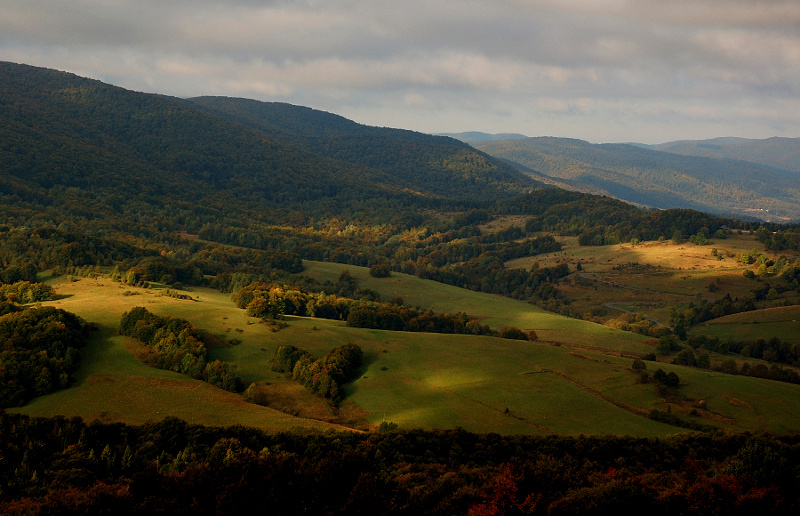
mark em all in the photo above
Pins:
pixel 100 156
pixel 437 164
pixel 473 137
pixel 478 300
pixel 657 179
pixel 778 153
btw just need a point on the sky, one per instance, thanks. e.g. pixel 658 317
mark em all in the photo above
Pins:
pixel 647 71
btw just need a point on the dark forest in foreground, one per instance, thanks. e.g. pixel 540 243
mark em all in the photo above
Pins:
pixel 59 466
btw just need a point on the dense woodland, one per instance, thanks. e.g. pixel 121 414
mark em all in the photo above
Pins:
pixel 39 351
pixel 59 465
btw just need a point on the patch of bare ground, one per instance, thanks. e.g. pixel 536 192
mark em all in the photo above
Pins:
pixel 736 402
pixel 584 357
pixel 141 352
pixel 599 350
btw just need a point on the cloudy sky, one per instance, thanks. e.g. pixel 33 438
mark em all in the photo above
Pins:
pixel 600 70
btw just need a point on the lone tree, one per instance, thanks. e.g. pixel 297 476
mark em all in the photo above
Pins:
pixel 380 270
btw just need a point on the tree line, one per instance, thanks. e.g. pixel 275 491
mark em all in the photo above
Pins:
pixel 273 302
pixel 66 466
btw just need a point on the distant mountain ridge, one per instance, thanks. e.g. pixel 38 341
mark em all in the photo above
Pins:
pixel 479 137
pixel 776 152
pixel 660 179
pixel 424 161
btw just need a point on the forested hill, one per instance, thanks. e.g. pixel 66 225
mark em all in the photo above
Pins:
pixel 438 164
pixel 77 149
pixel 658 179
pixel 778 153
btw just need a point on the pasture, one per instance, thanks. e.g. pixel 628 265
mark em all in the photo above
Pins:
pixel 576 379
pixel 782 322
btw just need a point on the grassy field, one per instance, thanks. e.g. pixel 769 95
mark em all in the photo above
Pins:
pixel 781 322
pixel 113 386
pixel 652 277
pixel 496 311
pixel 575 379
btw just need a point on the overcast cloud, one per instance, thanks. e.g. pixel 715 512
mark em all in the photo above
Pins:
pixel 600 70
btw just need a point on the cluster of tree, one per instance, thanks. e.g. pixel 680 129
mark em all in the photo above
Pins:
pixel 16 273
pixel 304 297
pixel 28 248
pixel 636 323
pixel 772 350
pixel 380 270
pixel 85 271
pixel 489 274
pixel 603 221
pixel 7 307
pixel 682 320
pixel 25 292
pixel 273 302
pixel 661 377
pixel 773 372
pixel 387 316
pixel 689 357
pixel 670 379
pixel 39 352
pixel 203 259
pixel 780 240
pixel 66 466
pixel 178 346
pixel 325 376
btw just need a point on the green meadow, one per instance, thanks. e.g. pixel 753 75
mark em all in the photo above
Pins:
pixel 576 379
pixel 782 322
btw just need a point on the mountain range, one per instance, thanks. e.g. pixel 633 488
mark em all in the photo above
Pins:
pixel 734 177
pixel 76 147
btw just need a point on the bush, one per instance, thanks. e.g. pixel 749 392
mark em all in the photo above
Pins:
pixel 512 333
pixel 380 270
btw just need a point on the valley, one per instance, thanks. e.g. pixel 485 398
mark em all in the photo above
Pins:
pixel 221 304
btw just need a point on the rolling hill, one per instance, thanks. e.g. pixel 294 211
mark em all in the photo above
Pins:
pixel 542 317
pixel 434 164
pixel 472 137
pixel 138 192
pixel 657 179
pixel 75 148
pixel 777 153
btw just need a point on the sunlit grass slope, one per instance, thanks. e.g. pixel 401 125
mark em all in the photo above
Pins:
pixel 782 322
pixel 496 311
pixel 573 380
pixel 113 386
